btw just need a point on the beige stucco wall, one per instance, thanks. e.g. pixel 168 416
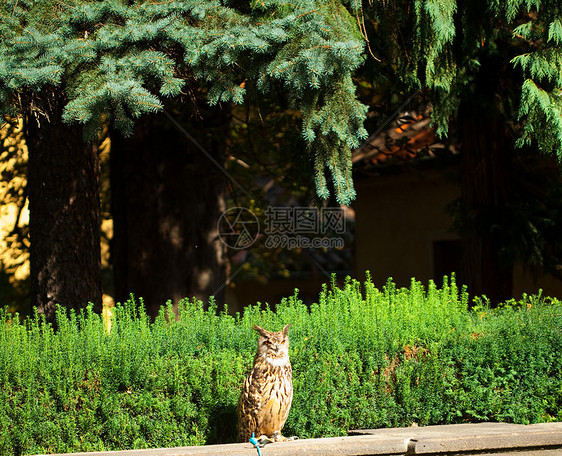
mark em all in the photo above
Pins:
pixel 272 292
pixel 397 219
pixel 525 282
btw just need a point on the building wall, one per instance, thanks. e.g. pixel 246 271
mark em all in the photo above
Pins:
pixel 398 218
pixel 403 231
pixel 272 292
pixel 525 282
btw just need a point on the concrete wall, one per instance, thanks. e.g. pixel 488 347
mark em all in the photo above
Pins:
pixel 485 439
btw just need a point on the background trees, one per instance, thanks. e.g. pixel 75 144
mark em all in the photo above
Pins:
pixel 14 246
pixel 92 63
pixel 167 197
pixel 63 192
pixel 491 71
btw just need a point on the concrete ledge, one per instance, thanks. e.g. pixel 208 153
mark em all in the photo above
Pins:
pixel 483 439
pixel 476 438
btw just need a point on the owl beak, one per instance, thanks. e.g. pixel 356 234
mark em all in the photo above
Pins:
pixel 276 348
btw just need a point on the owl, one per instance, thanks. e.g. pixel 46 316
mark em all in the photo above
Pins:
pixel 268 390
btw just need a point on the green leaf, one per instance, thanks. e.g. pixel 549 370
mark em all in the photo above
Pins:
pixel 555 31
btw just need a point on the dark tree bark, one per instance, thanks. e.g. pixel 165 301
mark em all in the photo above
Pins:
pixel 487 181
pixel 167 197
pixel 63 189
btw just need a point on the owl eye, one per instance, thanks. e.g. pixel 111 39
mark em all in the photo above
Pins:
pixel 267 342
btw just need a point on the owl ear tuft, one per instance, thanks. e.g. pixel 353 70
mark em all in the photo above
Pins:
pixel 262 331
pixel 286 329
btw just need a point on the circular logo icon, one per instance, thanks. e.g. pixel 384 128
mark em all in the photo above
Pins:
pixel 238 228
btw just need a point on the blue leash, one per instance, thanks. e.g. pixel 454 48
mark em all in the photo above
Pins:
pixel 254 442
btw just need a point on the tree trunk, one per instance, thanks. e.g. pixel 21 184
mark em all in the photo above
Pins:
pixel 167 197
pixel 486 165
pixel 63 189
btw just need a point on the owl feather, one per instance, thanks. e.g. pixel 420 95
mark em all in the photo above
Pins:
pixel 267 392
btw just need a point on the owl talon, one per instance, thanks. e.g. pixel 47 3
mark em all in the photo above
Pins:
pixel 264 440
pixel 277 437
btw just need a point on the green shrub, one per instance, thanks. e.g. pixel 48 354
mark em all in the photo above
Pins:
pixel 362 358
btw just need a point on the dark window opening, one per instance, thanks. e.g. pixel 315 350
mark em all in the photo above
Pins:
pixel 447 257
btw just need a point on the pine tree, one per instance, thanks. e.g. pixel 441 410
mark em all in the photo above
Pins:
pixel 118 60
pixel 110 62
pixel 492 69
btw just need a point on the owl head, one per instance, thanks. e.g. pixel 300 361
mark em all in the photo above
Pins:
pixel 273 345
